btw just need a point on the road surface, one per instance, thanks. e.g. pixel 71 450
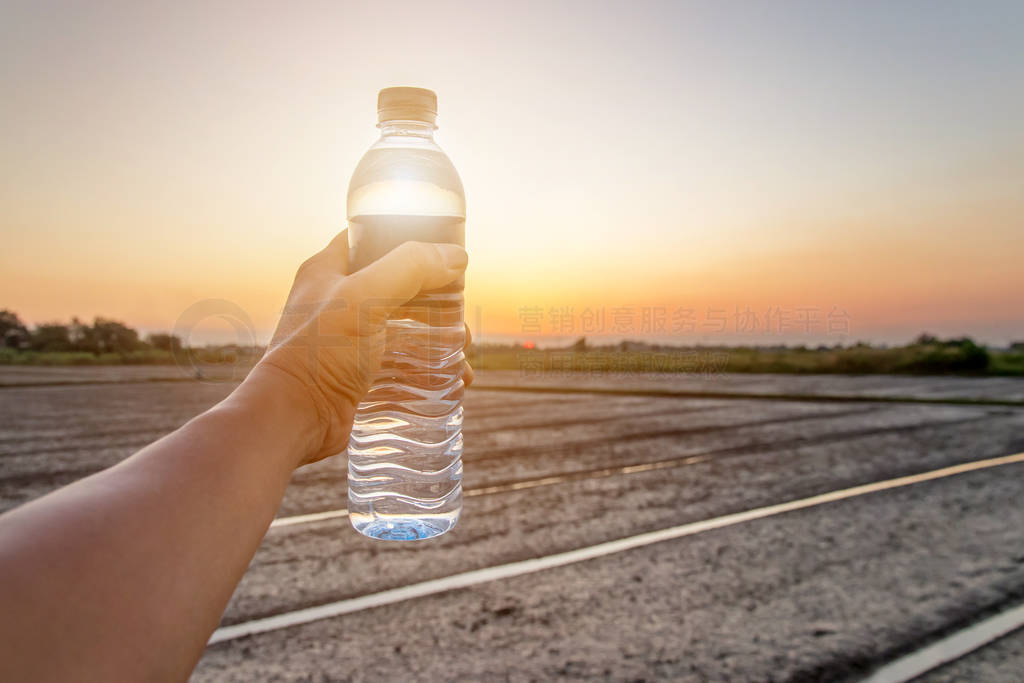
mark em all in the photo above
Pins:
pixel 558 464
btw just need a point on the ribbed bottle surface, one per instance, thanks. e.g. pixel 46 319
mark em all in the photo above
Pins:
pixel 405 450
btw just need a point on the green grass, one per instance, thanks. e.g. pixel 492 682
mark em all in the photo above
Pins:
pixel 140 357
pixel 1006 363
pixel 939 358
pixel 148 357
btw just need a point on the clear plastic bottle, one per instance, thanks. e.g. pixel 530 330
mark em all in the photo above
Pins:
pixel 405 452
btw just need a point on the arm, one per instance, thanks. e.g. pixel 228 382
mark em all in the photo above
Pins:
pixel 124 575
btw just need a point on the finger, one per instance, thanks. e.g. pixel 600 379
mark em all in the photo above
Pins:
pixel 333 257
pixel 469 336
pixel 468 375
pixel 406 270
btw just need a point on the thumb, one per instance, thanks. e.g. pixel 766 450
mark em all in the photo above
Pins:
pixel 406 270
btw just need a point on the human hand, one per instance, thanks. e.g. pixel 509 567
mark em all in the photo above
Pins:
pixel 330 338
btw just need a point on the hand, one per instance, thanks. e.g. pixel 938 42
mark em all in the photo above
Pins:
pixel 202 496
pixel 330 338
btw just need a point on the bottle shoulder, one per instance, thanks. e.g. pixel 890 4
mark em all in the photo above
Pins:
pixel 405 176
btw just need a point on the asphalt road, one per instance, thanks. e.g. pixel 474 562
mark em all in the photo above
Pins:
pixel 826 593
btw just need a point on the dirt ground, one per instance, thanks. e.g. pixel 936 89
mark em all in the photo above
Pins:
pixel 825 593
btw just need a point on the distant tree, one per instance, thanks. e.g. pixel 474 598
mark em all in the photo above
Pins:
pixel 972 357
pixel 925 339
pixel 164 341
pixel 51 337
pixel 113 336
pixel 958 341
pixel 579 345
pixel 83 337
pixel 961 355
pixel 13 333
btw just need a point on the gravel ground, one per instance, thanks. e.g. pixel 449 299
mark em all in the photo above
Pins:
pixel 301 566
pixel 819 594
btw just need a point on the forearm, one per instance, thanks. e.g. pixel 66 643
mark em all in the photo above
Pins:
pixel 124 574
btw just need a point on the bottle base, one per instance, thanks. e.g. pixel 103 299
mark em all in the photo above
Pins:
pixel 402 528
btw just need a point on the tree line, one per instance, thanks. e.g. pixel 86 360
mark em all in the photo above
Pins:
pixel 103 335
pixel 111 341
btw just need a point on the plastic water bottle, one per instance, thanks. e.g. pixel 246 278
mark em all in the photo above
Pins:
pixel 405 452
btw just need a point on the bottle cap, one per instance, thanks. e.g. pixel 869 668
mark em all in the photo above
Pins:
pixel 407 104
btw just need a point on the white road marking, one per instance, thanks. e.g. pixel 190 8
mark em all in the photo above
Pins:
pixel 478 576
pixel 949 648
pixel 306 519
pixel 514 486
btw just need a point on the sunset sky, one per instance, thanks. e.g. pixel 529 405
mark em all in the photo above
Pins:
pixel 863 164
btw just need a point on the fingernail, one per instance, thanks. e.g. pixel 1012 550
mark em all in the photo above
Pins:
pixel 455 257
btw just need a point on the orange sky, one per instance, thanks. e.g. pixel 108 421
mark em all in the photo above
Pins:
pixel 866 161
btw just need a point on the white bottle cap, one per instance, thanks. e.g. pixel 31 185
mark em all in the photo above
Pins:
pixel 407 104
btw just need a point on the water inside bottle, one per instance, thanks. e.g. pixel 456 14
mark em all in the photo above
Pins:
pixel 405 468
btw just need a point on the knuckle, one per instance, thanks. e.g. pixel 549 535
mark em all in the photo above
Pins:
pixel 306 266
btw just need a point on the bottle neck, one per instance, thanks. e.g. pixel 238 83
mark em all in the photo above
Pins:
pixel 418 129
